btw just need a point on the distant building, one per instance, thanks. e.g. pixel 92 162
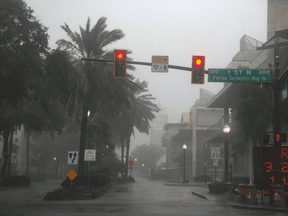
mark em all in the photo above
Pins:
pixel 19 154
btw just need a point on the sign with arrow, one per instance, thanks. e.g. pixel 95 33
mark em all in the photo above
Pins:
pixel 159 64
pixel 73 157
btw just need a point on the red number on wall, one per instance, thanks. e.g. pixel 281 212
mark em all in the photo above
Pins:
pixel 285 171
pixel 269 166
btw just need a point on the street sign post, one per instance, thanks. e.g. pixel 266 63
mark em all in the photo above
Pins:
pixel 159 64
pixel 90 155
pixel 215 153
pixel 72 157
pixel 239 75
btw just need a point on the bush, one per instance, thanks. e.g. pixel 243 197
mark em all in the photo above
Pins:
pixel 201 178
pixel 15 181
pixel 217 187
pixel 76 193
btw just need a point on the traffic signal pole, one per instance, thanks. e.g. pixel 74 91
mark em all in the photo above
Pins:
pixel 144 63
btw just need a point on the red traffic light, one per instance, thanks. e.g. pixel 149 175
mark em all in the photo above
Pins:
pixel 278 138
pixel 120 63
pixel 120 55
pixel 198 61
pixel 198 69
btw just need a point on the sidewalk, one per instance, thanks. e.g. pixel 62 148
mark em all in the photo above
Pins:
pixel 202 191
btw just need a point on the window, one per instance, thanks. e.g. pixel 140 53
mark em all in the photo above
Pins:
pixel 16 140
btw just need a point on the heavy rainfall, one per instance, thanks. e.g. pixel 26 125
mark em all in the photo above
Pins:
pixel 143 107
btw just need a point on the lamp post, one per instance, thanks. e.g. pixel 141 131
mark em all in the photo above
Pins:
pixel 184 147
pixel 56 170
pixel 226 130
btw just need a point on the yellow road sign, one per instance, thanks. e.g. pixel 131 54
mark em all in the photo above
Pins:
pixel 159 64
pixel 160 59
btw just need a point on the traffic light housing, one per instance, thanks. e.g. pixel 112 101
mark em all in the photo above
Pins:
pixel 198 69
pixel 280 138
pixel 120 63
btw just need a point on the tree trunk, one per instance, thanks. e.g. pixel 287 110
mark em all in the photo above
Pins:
pixel 122 154
pixel 28 153
pixel 81 166
pixel 127 156
pixel 10 152
pixel 5 153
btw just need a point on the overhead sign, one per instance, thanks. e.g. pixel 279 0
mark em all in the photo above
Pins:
pixel 90 155
pixel 159 64
pixel 239 75
pixel 215 153
pixel 73 157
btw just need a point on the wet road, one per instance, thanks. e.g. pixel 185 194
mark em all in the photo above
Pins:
pixel 141 198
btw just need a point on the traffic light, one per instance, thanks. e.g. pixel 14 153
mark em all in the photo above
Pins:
pixel 280 138
pixel 120 63
pixel 198 69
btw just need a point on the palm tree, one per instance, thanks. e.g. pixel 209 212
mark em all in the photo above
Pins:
pixel 139 115
pixel 96 89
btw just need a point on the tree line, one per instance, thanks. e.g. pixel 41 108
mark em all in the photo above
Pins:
pixel 52 91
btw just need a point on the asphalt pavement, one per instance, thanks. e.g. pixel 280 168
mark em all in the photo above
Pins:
pixel 201 190
pixel 141 198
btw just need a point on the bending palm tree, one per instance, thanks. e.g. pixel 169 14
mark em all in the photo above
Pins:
pixel 96 89
pixel 139 115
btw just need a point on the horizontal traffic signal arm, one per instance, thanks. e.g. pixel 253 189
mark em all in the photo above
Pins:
pixel 144 63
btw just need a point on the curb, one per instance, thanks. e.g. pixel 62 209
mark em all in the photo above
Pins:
pixel 199 195
pixel 179 184
pixel 236 205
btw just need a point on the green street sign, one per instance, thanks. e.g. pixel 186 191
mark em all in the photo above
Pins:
pixel 239 75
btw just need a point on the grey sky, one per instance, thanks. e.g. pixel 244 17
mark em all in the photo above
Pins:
pixel 178 29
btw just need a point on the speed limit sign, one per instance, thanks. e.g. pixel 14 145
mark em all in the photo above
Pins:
pixel 215 153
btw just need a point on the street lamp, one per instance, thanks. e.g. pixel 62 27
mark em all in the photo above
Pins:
pixel 56 171
pixel 184 147
pixel 226 130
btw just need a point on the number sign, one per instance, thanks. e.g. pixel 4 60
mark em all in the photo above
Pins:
pixel 269 169
pixel 215 153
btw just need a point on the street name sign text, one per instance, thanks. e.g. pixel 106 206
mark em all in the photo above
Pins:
pixel 239 75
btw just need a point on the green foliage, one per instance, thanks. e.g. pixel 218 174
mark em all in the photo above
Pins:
pixel 15 181
pixel 254 105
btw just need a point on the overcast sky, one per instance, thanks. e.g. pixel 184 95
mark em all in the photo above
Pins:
pixel 177 28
